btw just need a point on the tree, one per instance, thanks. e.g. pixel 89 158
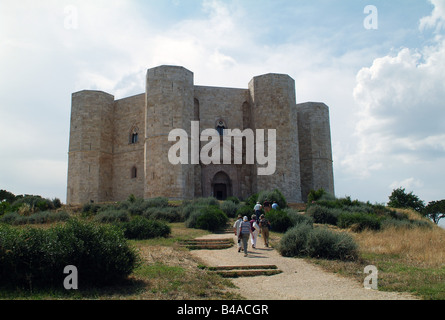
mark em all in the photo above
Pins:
pixel 400 199
pixel 435 210
pixel 7 196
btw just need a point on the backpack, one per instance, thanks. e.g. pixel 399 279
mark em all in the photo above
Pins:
pixel 251 225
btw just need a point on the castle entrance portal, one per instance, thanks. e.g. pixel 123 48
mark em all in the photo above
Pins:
pixel 221 186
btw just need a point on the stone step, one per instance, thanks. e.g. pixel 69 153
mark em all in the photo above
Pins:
pixel 210 244
pixel 208 241
pixel 261 267
pixel 245 271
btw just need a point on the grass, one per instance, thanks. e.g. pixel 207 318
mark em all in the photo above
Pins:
pixel 408 260
pixel 167 272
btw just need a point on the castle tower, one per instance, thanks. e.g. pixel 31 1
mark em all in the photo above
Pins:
pixel 169 105
pixel 273 99
pixel 315 148
pixel 90 147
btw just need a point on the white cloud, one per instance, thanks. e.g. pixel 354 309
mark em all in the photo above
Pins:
pixel 408 184
pixel 399 121
pixel 437 18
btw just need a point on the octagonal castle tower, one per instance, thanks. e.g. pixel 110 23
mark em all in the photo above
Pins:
pixel 120 147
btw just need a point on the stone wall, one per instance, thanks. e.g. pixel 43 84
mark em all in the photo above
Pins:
pixel 106 162
pixel 315 148
pixel 273 99
pixel 90 147
pixel 129 119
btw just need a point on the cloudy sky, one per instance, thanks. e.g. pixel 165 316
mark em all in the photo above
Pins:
pixel 381 72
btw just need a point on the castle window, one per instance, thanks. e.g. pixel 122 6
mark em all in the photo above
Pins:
pixel 134 136
pixel 134 173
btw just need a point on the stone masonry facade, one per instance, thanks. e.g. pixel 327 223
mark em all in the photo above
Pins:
pixel 120 147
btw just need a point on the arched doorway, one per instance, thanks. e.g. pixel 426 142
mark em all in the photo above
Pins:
pixel 221 186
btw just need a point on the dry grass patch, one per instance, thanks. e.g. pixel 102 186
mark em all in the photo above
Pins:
pixel 408 260
pixel 418 247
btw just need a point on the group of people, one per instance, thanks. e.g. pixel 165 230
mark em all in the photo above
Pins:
pixel 246 229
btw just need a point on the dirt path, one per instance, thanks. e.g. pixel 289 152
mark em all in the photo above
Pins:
pixel 299 280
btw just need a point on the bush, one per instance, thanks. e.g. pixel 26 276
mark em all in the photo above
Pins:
pixel 34 257
pixel 326 244
pixel 294 241
pixel 298 218
pixel 279 220
pixel 14 218
pixel 245 211
pixel 358 221
pixel 233 199
pixel 251 200
pixel 89 209
pixel 169 214
pixel 322 214
pixel 112 215
pixel 304 240
pixel 32 204
pixel 141 228
pixel 230 208
pixel 207 218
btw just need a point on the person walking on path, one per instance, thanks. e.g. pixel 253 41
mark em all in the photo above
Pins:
pixel 266 206
pixel 257 209
pixel 245 232
pixel 255 230
pixel 264 226
pixel 275 205
pixel 236 230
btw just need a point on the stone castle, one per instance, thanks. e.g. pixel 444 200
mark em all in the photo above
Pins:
pixel 120 147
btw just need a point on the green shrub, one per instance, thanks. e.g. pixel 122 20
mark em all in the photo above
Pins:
pixel 141 228
pixel 33 257
pixel 304 240
pixel 358 221
pixel 89 209
pixel 298 218
pixel 230 208
pixel 112 215
pixel 326 244
pixel 14 218
pixel 294 242
pixel 169 214
pixel 279 220
pixel 34 203
pixel 322 214
pixel 207 218
pixel 209 201
pixel 245 211
pixel 233 199
pixel 158 202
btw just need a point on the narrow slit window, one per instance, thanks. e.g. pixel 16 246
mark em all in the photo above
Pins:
pixel 134 138
pixel 134 173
